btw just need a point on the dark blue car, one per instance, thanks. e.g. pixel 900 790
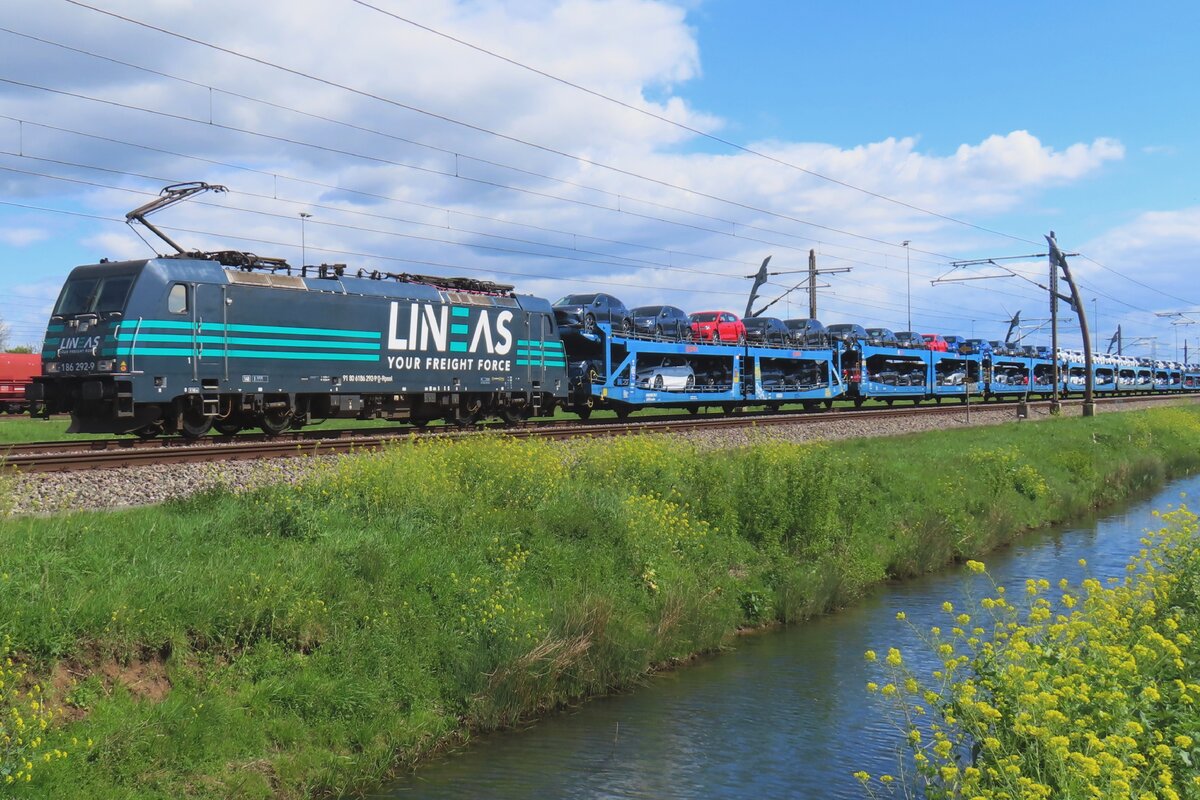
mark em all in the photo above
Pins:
pixel 662 322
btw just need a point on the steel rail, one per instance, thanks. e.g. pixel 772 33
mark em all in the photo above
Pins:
pixel 114 453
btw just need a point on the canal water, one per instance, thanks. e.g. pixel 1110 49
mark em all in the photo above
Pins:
pixel 783 715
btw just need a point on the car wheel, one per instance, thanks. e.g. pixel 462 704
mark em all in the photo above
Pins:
pixel 690 383
pixel 589 323
pixel 658 382
pixel 658 332
pixel 626 325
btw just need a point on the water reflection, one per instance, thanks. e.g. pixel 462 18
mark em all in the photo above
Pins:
pixel 785 715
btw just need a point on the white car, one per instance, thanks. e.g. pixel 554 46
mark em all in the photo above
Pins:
pixel 669 376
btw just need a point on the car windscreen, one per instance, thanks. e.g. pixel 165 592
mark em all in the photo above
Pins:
pixel 94 295
pixel 704 317
pixel 576 300
pixel 646 311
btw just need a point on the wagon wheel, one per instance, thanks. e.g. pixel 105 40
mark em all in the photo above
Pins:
pixel 194 424
pixel 622 412
pixel 584 412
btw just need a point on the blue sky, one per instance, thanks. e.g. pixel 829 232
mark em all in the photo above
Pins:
pixel 1016 118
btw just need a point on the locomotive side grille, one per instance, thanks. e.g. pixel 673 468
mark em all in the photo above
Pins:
pixel 265 279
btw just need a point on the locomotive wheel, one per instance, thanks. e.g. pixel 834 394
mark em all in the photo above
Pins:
pixel 273 423
pixel 149 431
pixel 513 416
pixel 228 426
pixel 193 424
pixel 419 422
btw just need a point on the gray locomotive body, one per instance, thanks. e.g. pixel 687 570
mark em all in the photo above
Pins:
pixel 187 343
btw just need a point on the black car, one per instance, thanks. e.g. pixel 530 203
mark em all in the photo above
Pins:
pixel 767 330
pixel 910 340
pixel 583 311
pixel 848 332
pixel 807 332
pixel 661 321
pixel 881 337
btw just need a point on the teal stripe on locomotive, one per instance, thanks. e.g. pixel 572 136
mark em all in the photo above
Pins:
pixel 217 352
pixel 524 362
pixel 175 324
pixel 186 338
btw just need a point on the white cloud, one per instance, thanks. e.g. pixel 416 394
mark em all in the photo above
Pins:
pixel 23 236
pixel 633 50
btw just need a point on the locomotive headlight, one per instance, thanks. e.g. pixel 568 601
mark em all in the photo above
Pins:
pixel 51 367
pixel 105 365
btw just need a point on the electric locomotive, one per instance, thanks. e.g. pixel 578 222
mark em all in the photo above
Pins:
pixel 194 341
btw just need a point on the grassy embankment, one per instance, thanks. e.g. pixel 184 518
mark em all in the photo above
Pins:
pixel 308 640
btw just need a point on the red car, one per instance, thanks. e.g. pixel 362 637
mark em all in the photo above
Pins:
pixel 717 326
pixel 934 341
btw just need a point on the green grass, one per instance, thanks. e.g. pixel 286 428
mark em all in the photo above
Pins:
pixel 308 641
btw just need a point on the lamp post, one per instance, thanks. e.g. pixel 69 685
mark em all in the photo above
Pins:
pixel 907 282
pixel 304 215
pixel 1096 322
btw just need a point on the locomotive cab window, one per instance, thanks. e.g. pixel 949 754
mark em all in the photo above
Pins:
pixel 177 300
pixel 94 295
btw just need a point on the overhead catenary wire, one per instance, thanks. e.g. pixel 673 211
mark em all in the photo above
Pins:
pixel 144 193
pixel 507 166
pixel 498 134
pixel 424 263
pixel 684 211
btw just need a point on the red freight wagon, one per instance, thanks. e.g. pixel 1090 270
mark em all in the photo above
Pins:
pixel 16 372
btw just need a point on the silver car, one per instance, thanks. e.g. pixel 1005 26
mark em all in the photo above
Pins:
pixel 670 376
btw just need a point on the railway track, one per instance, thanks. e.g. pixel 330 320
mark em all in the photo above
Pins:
pixel 65 456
